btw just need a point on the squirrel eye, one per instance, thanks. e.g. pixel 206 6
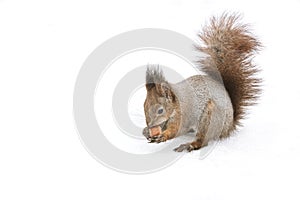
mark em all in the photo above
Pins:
pixel 160 111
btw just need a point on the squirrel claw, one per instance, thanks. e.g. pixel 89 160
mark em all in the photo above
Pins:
pixel 150 140
pixel 189 147
pixel 158 139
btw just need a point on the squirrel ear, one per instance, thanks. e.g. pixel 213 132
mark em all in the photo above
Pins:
pixel 149 86
pixel 164 89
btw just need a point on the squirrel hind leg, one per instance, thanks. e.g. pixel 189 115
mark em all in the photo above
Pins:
pixel 195 145
pixel 225 134
pixel 228 126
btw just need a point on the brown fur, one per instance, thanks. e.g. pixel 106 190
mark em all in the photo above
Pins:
pixel 159 92
pixel 230 48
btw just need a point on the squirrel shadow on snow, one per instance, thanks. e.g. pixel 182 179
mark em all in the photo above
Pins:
pixel 207 105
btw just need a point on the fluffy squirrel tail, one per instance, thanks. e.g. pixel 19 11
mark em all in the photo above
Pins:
pixel 229 47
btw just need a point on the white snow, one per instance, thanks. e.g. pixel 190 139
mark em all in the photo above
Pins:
pixel 43 45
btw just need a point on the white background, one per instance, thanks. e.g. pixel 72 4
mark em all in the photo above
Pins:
pixel 42 47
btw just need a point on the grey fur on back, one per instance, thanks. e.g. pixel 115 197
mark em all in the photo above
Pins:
pixel 194 94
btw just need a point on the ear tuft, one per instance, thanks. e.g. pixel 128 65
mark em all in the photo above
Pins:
pixel 154 76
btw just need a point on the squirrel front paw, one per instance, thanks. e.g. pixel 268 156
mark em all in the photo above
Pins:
pixel 156 138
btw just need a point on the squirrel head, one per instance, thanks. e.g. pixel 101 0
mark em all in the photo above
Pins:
pixel 161 102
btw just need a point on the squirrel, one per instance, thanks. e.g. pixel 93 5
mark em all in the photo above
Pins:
pixel 211 105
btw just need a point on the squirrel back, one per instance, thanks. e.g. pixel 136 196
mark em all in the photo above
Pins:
pixel 230 48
